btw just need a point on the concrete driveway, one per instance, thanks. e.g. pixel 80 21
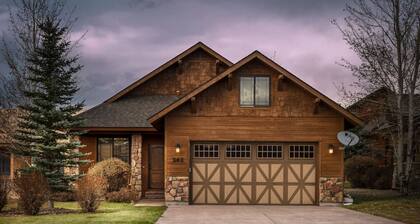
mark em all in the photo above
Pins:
pixel 266 215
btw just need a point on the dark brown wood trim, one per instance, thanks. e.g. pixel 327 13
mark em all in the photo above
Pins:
pixel 317 103
pixel 111 129
pixel 230 82
pixel 193 105
pixel 280 82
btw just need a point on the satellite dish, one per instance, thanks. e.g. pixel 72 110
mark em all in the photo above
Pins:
pixel 347 138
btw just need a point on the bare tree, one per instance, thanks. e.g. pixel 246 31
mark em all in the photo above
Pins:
pixel 384 35
pixel 19 42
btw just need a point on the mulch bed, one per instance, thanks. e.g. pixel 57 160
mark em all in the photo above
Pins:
pixel 55 211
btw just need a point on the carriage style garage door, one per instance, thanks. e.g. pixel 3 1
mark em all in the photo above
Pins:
pixel 253 173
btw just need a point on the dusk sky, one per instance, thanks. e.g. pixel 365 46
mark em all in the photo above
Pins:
pixel 127 39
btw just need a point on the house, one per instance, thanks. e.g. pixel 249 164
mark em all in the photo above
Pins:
pixel 377 133
pixel 9 163
pixel 203 130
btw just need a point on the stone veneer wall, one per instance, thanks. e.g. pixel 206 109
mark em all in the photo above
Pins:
pixel 331 190
pixel 136 146
pixel 177 189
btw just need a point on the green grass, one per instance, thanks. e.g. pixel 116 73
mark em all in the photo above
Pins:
pixel 387 204
pixel 107 213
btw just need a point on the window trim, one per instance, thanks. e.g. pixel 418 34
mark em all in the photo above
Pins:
pixel 113 136
pixel 212 158
pixel 270 158
pixel 269 92
pixel 238 158
pixel 314 156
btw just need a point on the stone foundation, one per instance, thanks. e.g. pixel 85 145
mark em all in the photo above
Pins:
pixel 177 189
pixel 331 190
pixel 136 146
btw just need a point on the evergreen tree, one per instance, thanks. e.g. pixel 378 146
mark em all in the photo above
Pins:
pixel 46 129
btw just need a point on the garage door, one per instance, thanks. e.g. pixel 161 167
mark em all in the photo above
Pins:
pixel 253 173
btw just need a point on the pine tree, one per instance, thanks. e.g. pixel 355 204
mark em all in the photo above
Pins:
pixel 46 128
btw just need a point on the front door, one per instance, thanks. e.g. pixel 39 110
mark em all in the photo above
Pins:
pixel 156 166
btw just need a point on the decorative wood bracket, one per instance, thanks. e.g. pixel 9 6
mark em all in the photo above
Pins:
pixel 280 82
pixel 193 105
pixel 179 68
pixel 217 64
pixel 230 82
pixel 317 103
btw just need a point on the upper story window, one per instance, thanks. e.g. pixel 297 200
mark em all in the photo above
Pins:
pixel 254 91
pixel 114 148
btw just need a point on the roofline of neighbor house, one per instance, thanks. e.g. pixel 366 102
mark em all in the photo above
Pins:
pixel 256 54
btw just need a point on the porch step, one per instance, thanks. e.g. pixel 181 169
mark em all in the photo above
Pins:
pixel 154 194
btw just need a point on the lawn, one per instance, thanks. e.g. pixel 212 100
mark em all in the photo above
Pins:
pixel 107 213
pixel 387 204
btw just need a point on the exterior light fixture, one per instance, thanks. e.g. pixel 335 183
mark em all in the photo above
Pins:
pixel 178 148
pixel 331 149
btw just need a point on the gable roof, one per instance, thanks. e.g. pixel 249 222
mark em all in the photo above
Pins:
pixel 257 55
pixel 174 60
pixel 129 112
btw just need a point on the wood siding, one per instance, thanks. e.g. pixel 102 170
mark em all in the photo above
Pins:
pixel 181 78
pixel 219 117
pixel 90 143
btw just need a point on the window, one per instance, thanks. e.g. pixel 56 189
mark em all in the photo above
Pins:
pixel 206 151
pixel 238 151
pixel 301 152
pixel 255 91
pixel 4 164
pixel 270 151
pixel 114 148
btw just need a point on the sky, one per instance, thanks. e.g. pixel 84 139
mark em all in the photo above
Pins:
pixel 126 39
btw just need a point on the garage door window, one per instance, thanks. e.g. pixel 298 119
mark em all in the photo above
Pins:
pixel 301 152
pixel 238 151
pixel 270 151
pixel 206 151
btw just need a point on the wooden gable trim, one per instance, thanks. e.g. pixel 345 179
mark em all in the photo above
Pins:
pixel 256 54
pixel 177 59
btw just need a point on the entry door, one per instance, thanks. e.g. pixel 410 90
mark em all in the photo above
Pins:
pixel 156 166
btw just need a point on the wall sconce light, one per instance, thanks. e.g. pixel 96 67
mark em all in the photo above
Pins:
pixel 330 149
pixel 178 148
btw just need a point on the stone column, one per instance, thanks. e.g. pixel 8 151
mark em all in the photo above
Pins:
pixel 176 191
pixel 136 147
pixel 331 190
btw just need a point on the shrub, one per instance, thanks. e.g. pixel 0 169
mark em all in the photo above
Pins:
pixel 89 191
pixel 123 195
pixel 365 172
pixel 64 196
pixel 4 191
pixel 33 191
pixel 115 171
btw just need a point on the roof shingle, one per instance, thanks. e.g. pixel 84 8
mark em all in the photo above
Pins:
pixel 127 112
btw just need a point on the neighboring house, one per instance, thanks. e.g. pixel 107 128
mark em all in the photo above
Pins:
pixel 202 130
pixel 9 163
pixel 376 131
